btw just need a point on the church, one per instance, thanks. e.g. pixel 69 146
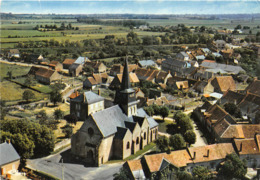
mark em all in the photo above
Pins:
pixel 115 132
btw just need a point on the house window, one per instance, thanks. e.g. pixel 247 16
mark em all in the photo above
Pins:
pixel 128 145
pixel 90 131
pixel 137 140
pixel 145 136
pixel 78 114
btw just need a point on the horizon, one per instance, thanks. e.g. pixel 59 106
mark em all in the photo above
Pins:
pixel 138 7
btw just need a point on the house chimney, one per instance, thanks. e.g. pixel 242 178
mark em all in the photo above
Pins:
pixel 241 147
pixel 208 153
pixel 9 141
pixel 194 156
pixel 99 92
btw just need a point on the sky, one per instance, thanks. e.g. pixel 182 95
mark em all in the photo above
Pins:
pixel 130 6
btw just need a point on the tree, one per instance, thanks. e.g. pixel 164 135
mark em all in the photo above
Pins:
pixel 177 141
pixel 28 94
pixel 233 110
pixel 42 136
pixel 164 111
pixel 68 131
pixel 149 110
pixel 190 137
pixel 233 164
pixel 201 173
pixel 71 118
pixel 121 175
pixel 22 144
pixel 185 124
pixel 55 96
pixel 29 81
pixel 42 116
pixel 162 143
pixel 183 175
pixel 58 114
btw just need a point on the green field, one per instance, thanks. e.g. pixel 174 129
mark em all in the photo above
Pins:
pixel 14 92
pixel 16 70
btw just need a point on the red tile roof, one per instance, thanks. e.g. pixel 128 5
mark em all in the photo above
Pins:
pixel 69 61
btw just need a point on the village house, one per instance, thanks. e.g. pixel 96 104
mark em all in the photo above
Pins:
pixel 249 149
pixel 98 79
pixel 81 60
pixel 43 75
pixel 152 75
pixel 90 83
pixel 151 166
pixel 116 83
pixel 13 53
pixel 98 67
pixel 115 132
pixel 86 104
pixel 220 44
pixel 182 56
pixel 67 63
pixel 147 63
pixel 56 65
pixel 118 69
pixel 176 66
pixel 75 69
pixel 229 69
pixel 222 84
pixel 9 159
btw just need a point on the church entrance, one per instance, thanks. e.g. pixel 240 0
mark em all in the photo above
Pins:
pixel 90 158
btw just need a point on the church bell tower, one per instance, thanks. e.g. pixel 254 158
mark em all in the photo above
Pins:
pixel 125 97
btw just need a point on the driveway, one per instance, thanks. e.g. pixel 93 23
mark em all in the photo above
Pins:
pixel 72 169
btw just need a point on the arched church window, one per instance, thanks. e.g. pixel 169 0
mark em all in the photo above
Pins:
pixel 137 140
pixel 128 145
pixel 144 135
pixel 90 131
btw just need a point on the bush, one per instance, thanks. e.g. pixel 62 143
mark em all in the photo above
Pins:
pixel 68 131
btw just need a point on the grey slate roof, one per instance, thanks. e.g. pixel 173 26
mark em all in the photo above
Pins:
pixel 120 134
pixel 109 119
pixel 151 121
pixel 145 63
pixel 175 62
pixel 81 60
pixel 184 54
pixel 90 98
pixel 228 68
pixel 7 154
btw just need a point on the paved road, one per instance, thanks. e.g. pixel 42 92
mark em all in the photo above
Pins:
pixel 72 170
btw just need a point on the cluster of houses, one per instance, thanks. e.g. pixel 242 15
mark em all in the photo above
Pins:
pixel 231 135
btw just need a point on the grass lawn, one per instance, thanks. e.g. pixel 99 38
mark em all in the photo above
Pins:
pixel 138 153
pixel 42 88
pixel 16 70
pixel 163 125
pixel 14 92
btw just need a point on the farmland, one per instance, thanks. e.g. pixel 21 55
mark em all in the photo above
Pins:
pixel 16 70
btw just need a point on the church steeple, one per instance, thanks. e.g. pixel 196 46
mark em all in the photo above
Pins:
pixel 125 79
pixel 125 97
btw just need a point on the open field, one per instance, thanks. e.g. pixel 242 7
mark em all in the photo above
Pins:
pixel 16 70
pixel 13 92
pixel 210 23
